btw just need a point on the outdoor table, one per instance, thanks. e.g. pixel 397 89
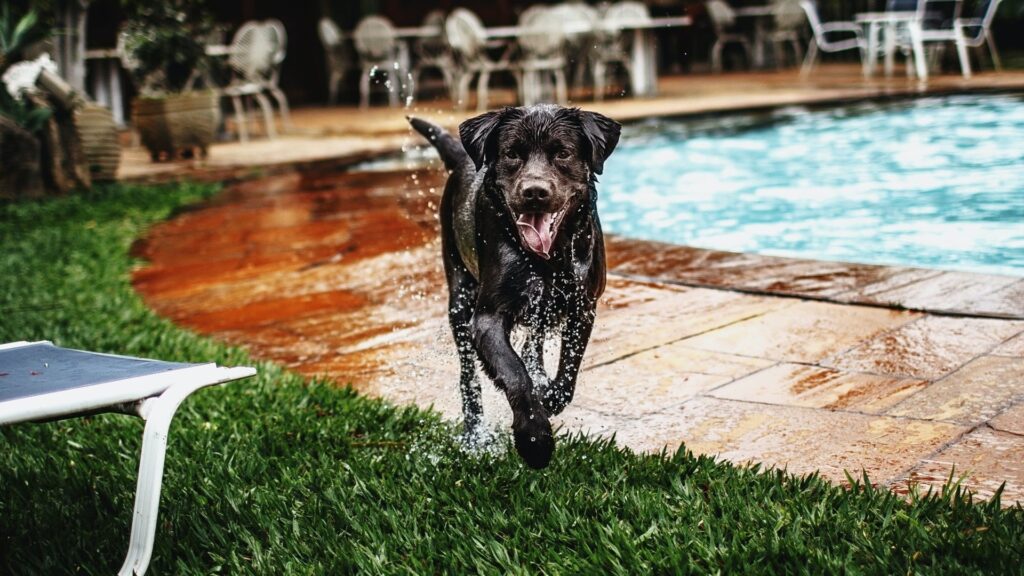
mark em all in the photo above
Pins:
pixel 41 382
pixel 644 81
pixel 887 24
pixel 760 15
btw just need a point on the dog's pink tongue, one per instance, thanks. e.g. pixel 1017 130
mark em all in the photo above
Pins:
pixel 536 231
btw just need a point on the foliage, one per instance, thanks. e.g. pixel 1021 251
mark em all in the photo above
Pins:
pixel 281 475
pixel 167 42
pixel 17 34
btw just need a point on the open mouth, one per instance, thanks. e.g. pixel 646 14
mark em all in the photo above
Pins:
pixel 538 231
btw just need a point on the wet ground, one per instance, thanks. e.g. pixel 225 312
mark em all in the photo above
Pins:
pixel 904 373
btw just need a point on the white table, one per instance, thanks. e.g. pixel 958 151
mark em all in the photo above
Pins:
pixel 40 381
pixel 887 25
pixel 645 63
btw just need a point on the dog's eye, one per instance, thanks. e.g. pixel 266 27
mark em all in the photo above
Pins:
pixel 563 154
pixel 511 154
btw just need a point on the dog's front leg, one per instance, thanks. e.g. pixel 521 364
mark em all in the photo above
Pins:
pixel 575 336
pixel 530 426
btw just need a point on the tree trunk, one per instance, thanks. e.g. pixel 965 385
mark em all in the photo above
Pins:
pixel 19 156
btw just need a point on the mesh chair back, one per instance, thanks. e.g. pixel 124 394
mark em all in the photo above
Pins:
pixel 624 14
pixel 252 50
pixel 542 38
pixel 577 21
pixel 374 39
pixel 432 47
pixel 465 32
pixel 721 14
pixel 279 36
pixel 533 13
pixel 787 15
pixel 330 34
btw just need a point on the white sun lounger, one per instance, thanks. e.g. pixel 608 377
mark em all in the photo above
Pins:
pixel 40 381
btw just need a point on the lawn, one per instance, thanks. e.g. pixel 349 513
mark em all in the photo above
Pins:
pixel 281 475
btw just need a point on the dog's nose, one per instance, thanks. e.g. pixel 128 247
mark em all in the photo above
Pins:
pixel 536 192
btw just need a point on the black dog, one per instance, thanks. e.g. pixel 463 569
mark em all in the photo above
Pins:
pixel 523 246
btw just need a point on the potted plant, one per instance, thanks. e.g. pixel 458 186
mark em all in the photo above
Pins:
pixel 164 49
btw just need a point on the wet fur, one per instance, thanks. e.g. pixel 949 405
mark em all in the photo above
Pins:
pixel 494 283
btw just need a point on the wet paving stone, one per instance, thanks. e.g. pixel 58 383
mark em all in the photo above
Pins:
pixel 816 387
pixel 980 390
pixel 1012 347
pixel 1010 420
pixel 960 292
pixel 929 348
pixel 983 460
pixel 805 332
pixel 338 275
pixel 802 440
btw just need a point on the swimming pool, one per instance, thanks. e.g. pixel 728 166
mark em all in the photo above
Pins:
pixel 932 182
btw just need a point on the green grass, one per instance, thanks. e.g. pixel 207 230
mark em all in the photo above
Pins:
pixel 279 475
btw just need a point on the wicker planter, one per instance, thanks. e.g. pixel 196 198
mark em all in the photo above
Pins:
pixel 98 134
pixel 176 125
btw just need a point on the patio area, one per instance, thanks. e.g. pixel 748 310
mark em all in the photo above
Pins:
pixel 907 374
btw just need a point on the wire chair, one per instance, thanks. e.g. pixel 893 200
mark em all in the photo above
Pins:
pixel 377 46
pixel 468 39
pixel 339 60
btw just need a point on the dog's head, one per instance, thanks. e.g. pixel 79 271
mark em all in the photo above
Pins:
pixel 544 159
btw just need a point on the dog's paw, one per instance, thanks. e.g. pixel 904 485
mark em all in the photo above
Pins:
pixel 534 440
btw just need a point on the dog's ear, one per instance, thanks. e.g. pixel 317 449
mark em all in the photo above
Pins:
pixel 602 133
pixel 479 136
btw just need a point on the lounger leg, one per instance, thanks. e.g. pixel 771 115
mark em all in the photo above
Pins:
pixel 158 413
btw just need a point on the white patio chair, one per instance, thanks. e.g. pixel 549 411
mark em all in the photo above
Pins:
pixel 337 55
pixel 44 382
pixel 468 39
pixel 613 46
pixel 434 52
pixel 831 37
pixel 723 18
pixel 789 20
pixel 251 58
pixel 977 31
pixel 543 53
pixel 377 46
pixel 579 22
pixel 273 75
pixel 936 25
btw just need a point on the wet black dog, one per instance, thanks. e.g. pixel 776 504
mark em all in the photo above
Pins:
pixel 523 246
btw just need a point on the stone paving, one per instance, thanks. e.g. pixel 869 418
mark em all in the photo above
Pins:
pixel 904 373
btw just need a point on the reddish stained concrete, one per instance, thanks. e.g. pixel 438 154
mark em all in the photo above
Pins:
pixel 338 274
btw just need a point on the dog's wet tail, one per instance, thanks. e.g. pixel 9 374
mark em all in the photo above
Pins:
pixel 448 146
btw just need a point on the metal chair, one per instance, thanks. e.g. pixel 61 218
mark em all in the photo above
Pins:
pixel 826 37
pixel 579 22
pixel 936 24
pixel 612 46
pixel 434 52
pixel 542 44
pixel 468 39
pixel 977 32
pixel 273 74
pixel 789 21
pixel 338 58
pixel 377 46
pixel 723 18
pixel 251 58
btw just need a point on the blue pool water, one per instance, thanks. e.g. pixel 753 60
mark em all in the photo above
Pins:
pixel 935 182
